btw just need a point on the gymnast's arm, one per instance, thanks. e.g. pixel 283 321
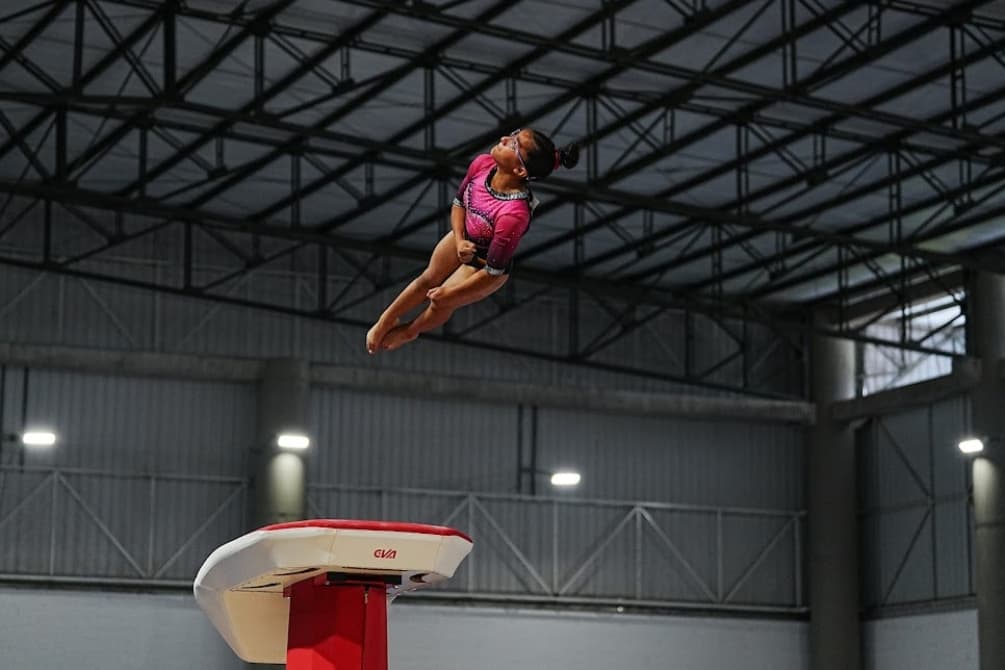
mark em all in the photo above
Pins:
pixel 508 231
pixel 465 248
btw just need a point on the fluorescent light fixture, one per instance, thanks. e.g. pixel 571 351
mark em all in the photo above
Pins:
pixel 293 441
pixel 38 438
pixel 971 446
pixel 565 479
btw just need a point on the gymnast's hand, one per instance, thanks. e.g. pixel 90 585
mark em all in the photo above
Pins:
pixel 439 294
pixel 465 250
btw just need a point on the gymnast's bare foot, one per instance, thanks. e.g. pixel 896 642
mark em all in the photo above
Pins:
pixel 398 336
pixel 375 336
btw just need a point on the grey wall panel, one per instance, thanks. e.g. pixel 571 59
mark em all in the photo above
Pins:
pixel 516 546
pixel 192 519
pixel 595 551
pixel 373 439
pixel 414 506
pixel 684 560
pixel 495 640
pixel 951 513
pixel 140 425
pixel 126 527
pixel 149 475
pixel 102 526
pixel 201 326
pixel 953 538
pixel 26 530
pixel 116 631
pixel 678 460
pixel 915 513
pixel 62 310
pixel 760 557
pixel 573 550
pixel 108 631
pixel 46 308
pixel 902 463
pixel 326 502
pixel 922 642
pixel 146 479
pixel 392 441
pixel 568 546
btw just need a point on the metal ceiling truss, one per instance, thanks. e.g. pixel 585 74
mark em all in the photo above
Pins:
pixel 766 238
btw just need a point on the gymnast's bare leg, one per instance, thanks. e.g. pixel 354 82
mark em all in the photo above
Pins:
pixel 443 262
pixel 465 286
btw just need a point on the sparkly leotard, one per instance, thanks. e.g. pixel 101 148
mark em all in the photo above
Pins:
pixel 494 221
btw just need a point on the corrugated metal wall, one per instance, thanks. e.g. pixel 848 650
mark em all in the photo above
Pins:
pixel 670 510
pixel 583 551
pixel 383 440
pixel 916 518
pixel 370 439
pixel 172 454
pixel 131 424
pixel 44 309
pixel 148 475
pixel 676 459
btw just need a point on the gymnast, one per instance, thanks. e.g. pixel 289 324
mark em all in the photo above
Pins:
pixel 490 214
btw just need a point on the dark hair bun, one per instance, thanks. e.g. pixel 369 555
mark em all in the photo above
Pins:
pixel 568 155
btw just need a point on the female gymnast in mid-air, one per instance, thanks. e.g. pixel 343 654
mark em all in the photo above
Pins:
pixel 490 214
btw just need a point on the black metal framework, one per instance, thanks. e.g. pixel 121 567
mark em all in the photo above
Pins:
pixel 747 161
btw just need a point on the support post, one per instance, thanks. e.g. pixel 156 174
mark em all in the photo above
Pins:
pixel 986 321
pixel 832 502
pixel 280 475
pixel 337 626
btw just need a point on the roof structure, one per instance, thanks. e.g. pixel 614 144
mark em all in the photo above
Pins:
pixel 744 160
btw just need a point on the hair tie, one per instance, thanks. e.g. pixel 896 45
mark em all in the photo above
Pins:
pixel 558 160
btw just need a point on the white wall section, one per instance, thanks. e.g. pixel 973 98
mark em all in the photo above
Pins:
pixel 124 631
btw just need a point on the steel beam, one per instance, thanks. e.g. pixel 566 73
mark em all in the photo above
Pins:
pixel 780 185
pixel 723 308
pixel 590 86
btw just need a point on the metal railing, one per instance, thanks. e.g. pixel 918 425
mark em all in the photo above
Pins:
pixel 128 529
pixel 601 552
pixel 89 525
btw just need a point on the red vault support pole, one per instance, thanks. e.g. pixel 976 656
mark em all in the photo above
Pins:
pixel 337 626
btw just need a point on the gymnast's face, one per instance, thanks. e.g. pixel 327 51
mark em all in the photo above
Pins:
pixel 511 150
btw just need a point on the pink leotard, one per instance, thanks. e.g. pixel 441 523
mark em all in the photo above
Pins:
pixel 494 221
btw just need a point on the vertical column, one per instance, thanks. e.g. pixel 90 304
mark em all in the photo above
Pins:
pixel 280 474
pixel 832 503
pixel 337 626
pixel 986 319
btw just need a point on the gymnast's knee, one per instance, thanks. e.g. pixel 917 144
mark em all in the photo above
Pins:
pixel 441 310
pixel 427 280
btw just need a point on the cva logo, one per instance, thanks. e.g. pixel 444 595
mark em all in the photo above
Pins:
pixel 385 553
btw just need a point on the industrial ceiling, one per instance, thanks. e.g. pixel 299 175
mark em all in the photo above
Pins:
pixel 746 161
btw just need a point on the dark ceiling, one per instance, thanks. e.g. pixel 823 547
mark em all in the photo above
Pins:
pixel 746 161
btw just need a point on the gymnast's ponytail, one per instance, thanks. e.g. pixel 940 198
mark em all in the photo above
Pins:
pixel 545 158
